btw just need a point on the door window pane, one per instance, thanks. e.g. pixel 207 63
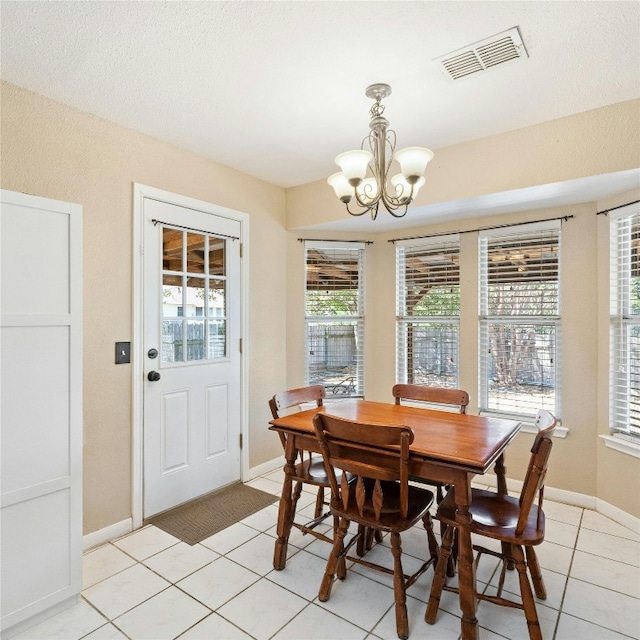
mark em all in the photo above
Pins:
pixel 171 249
pixel 172 343
pixel 216 257
pixel 195 340
pixel 195 252
pixel 195 296
pixel 217 299
pixel 217 339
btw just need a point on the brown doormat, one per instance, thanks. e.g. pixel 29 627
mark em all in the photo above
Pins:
pixel 196 520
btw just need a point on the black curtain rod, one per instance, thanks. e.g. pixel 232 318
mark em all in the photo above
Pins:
pixel 599 213
pixel 498 226
pixel 179 226
pixel 325 240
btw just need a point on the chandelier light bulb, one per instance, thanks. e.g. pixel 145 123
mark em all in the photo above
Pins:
pixel 354 165
pixel 403 188
pixel 413 160
pixel 341 186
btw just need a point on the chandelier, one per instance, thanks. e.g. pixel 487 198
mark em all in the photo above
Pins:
pixel 368 191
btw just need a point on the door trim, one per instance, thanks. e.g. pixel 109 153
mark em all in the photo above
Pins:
pixel 140 192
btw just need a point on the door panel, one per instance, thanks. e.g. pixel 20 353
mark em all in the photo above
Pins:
pixel 174 431
pixel 192 318
pixel 218 425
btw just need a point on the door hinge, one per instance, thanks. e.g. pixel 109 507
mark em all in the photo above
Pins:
pixel 240 345
pixel 241 250
pixel 241 441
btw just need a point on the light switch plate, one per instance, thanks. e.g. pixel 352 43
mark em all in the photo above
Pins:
pixel 123 352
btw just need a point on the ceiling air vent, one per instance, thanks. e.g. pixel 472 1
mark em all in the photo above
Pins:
pixel 483 55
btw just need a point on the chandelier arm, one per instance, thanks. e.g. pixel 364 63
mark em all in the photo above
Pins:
pixel 366 209
pixel 392 205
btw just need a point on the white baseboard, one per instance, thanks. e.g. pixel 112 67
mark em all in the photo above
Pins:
pixel 572 498
pixel 37 618
pixel 576 500
pixel 618 515
pixel 265 467
pixel 102 536
pixel 119 529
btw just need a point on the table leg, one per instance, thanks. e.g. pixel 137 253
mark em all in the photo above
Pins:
pixel 466 568
pixel 285 508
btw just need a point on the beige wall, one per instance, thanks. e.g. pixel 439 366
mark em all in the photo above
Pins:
pixel 56 152
pixel 53 151
pixel 600 141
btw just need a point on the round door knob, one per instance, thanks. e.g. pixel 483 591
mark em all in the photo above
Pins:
pixel 153 376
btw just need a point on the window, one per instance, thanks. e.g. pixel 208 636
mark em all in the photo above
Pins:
pixel 334 315
pixel 520 336
pixel 625 321
pixel 194 300
pixel 428 311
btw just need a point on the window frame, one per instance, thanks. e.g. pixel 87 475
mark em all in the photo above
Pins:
pixel 485 320
pixel 623 225
pixel 351 383
pixel 404 321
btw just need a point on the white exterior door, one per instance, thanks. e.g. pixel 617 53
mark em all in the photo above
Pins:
pixel 192 425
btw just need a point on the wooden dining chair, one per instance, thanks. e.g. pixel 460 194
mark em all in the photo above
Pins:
pixel 442 397
pixel 379 499
pixel 516 522
pixel 310 469
pixel 434 395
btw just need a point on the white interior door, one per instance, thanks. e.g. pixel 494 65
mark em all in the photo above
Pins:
pixel 192 426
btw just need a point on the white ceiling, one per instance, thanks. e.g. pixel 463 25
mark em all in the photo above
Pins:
pixel 276 88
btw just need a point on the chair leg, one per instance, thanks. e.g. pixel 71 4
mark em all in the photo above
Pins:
pixel 527 595
pixel 536 574
pixel 453 558
pixel 295 497
pixel 333 561
pixel 402 623
pixel 506 551
pixel 451 566
pixel 341 570
pixel 434 550
pixel 319 503
pixel 439 577
pixel 361 542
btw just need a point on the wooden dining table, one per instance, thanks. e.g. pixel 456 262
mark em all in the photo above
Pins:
pixel 448 447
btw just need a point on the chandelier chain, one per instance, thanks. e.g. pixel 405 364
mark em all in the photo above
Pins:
pixel 377 109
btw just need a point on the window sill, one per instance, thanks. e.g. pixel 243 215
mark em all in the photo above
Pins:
pixel 623 445
pixel 558 432
pixel 527 427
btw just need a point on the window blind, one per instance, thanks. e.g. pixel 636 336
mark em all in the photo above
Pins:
pixel 428 311
pixel 334 317
pixel 625 321
pixel 520 320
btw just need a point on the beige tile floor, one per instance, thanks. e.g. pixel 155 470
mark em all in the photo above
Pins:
pixel 150 586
